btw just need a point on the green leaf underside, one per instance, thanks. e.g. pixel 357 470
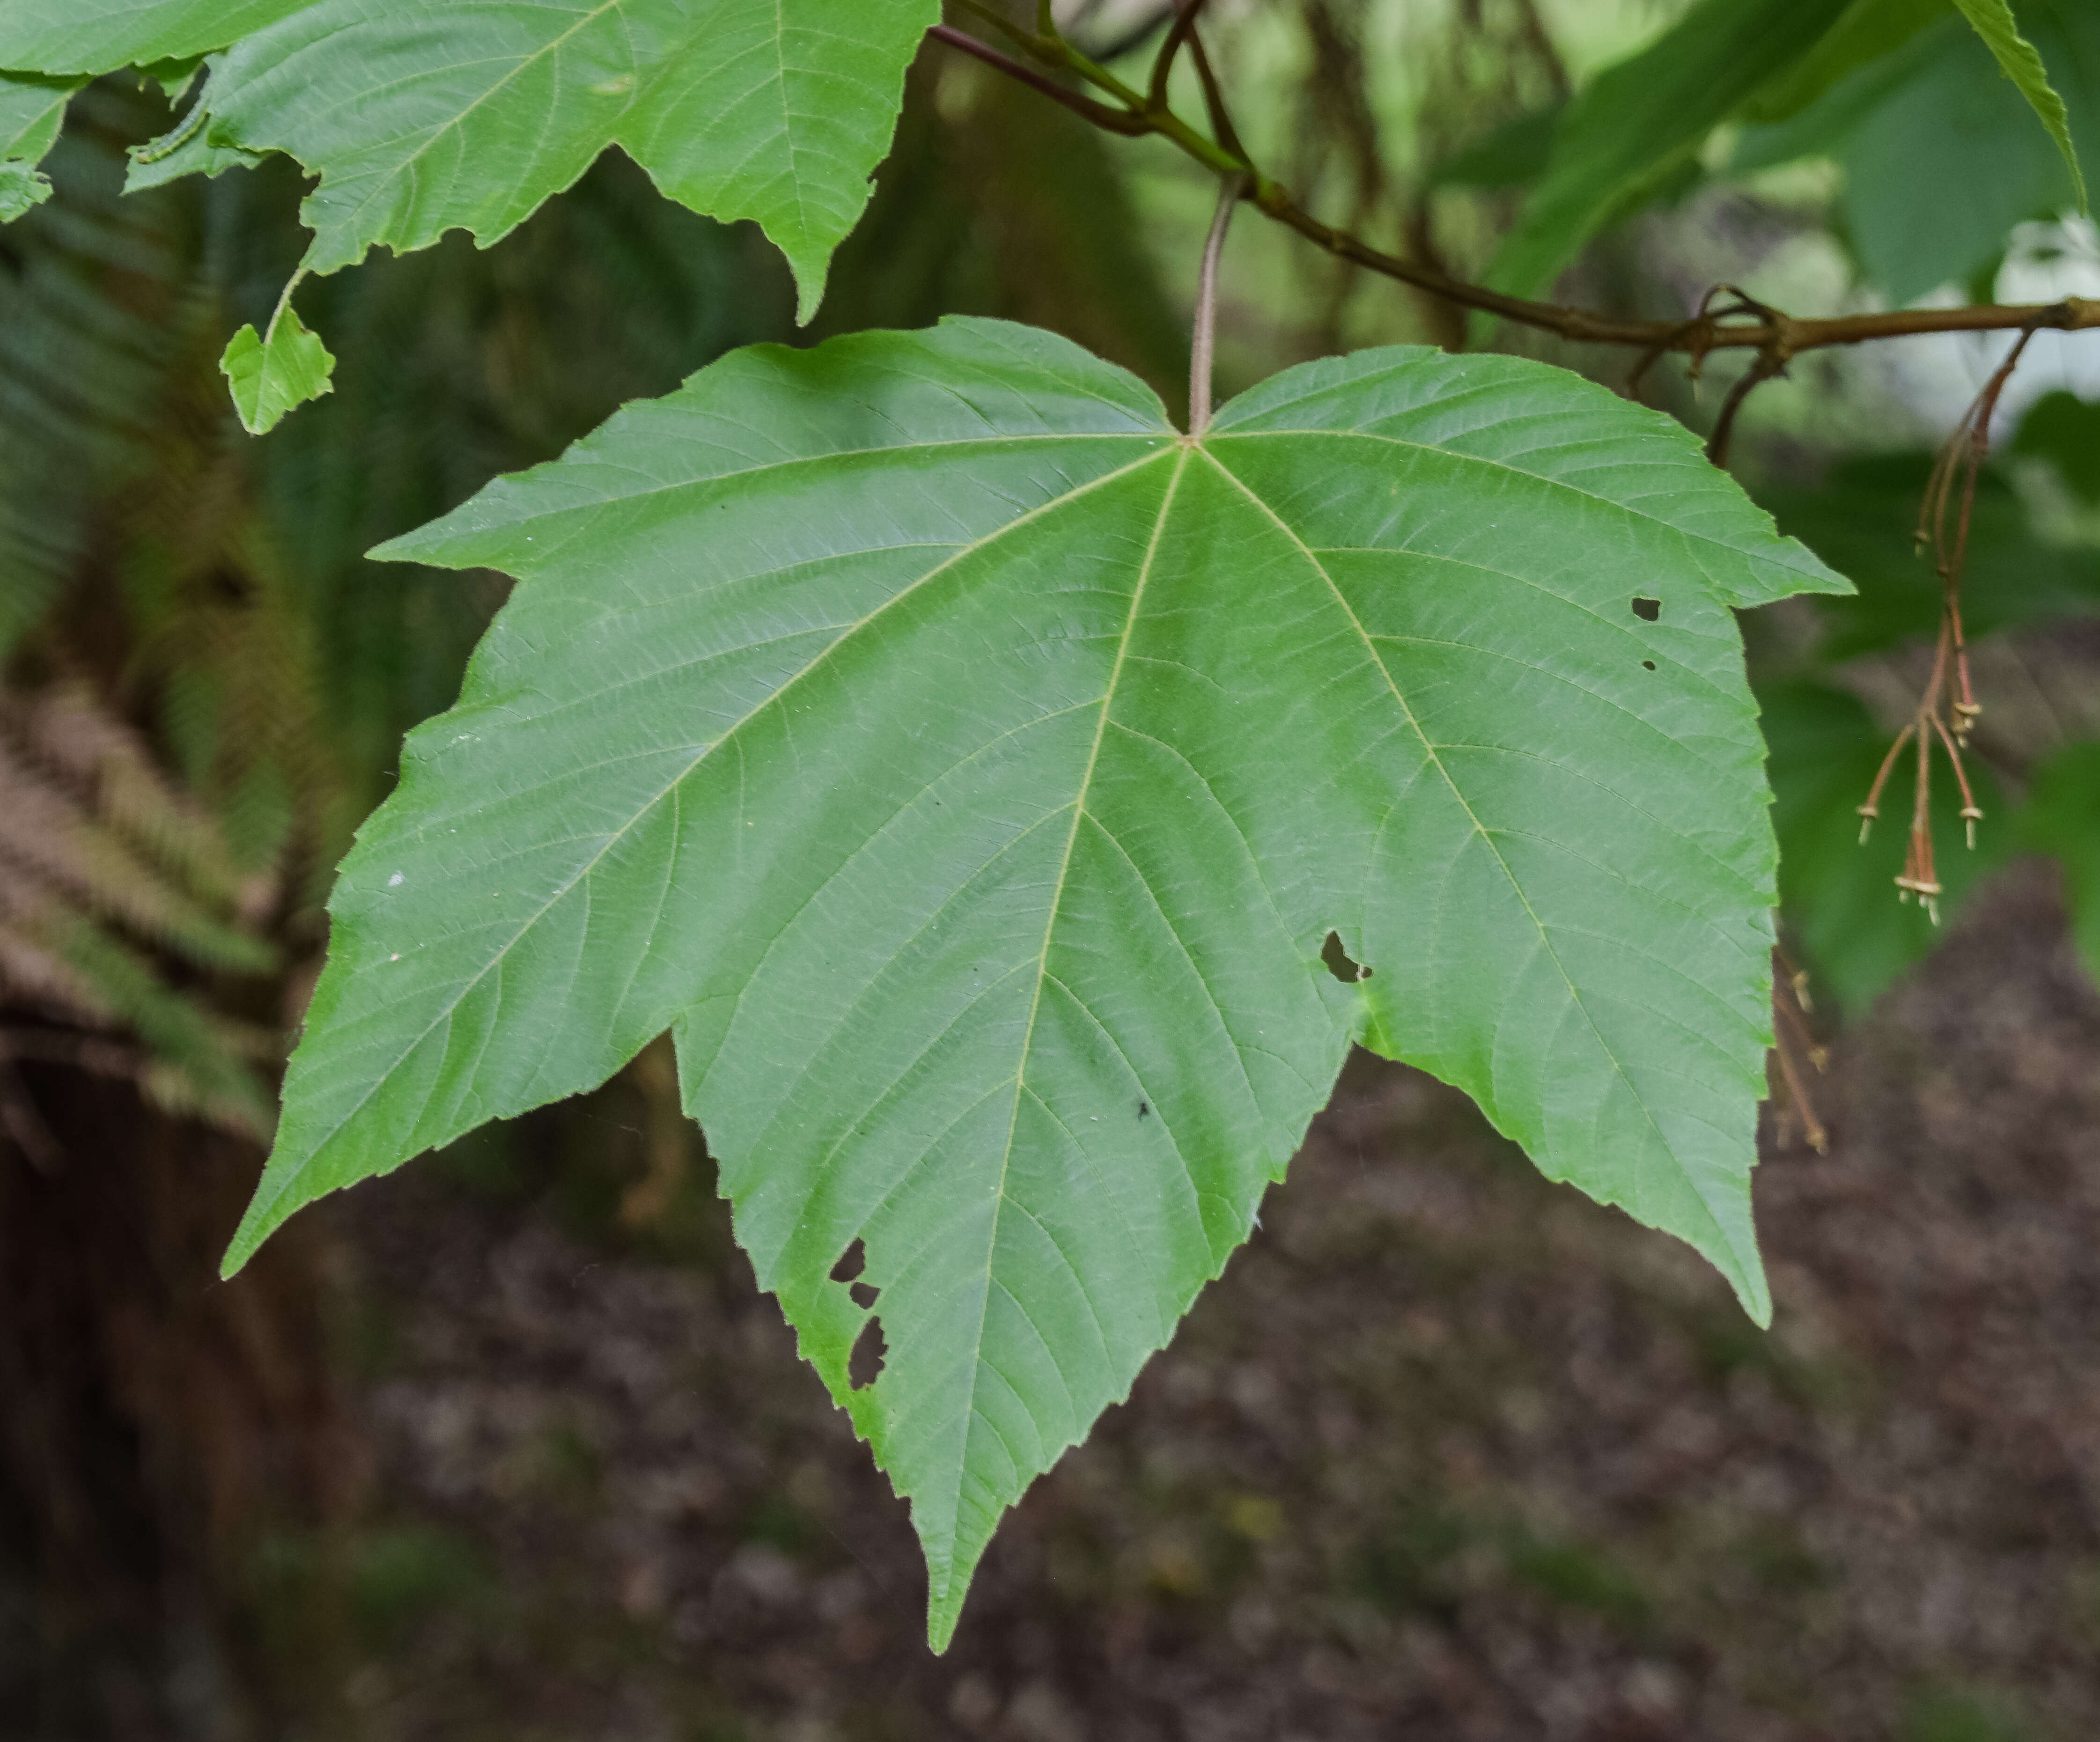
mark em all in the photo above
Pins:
pixel 423 116
pixel 270 377
pixel 20 188
pixel 2020 61
pixel 32 110
pixel 88 36
pixel 1640 122
pixel 969 771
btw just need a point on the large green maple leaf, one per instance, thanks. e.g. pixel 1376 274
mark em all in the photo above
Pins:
pixel 419 116
pixel 970 770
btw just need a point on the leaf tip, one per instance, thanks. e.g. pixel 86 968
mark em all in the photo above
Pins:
pixel 440 544
pixel 267 1212
pixel 1740 1263
pixel 241 1248
pixel 1754 1292
pixel 945 1597
pixel 811 268
pixel 951 1565
pixel 406 548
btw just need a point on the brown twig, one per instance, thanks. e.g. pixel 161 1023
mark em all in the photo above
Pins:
pixel 1222 129
pixel 1114 120
pixel 1768 364
pixel 1132 35
pixel 1919 876
pixel 1790 1029
pixel 1795 976
pixel 1872 809
pixel 1797 1024
pixel 1706 333
pixel 1185 14
pixel 1812 1130
pixel 1965 709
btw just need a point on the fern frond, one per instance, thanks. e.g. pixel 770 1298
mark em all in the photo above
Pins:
pixel 102 918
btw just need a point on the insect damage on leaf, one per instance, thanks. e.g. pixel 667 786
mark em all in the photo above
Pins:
pixel 21 189
pixel 974 774
pixel 271 375
pixel 1339 962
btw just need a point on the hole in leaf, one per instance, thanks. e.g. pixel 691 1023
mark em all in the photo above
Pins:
pixel 864 1365
pixel 1647 609
pixel 1648 665
pixel 865 1294
pixel 851 1262
pixel 1339 964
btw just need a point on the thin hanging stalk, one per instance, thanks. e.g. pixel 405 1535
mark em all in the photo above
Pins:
pixel 1204 347
pixel 1947 709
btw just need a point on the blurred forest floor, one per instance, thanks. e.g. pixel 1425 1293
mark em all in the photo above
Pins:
pixel 1450 1452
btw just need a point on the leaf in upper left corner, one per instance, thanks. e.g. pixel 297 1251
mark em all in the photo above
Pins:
pixel 774 110
pixel 271 376
pixel 84 37
pixel 32 109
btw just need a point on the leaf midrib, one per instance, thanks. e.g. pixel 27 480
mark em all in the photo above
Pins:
pixel 787 115
pixel 1055 906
